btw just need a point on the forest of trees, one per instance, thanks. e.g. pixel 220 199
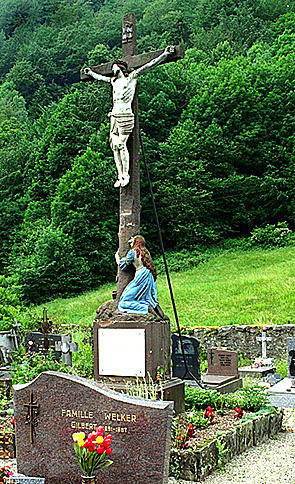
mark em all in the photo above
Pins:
pixel 218 128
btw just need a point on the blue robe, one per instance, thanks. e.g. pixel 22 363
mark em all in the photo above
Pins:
pixel 141 292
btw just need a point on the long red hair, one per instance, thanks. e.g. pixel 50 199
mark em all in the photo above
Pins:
pixel 140 249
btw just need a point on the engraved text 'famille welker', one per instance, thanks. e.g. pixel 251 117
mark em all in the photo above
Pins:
pixel 111 417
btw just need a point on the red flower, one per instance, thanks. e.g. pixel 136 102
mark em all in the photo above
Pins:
pixel 89 445
pixel 12 420
pixel 239 413
pixel 92 436
pixel 99 430
pixel 107 443
pixel 109 451
pixel 100 449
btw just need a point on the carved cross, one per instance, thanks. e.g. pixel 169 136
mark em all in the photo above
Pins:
pixel 129 224
pixel 32 414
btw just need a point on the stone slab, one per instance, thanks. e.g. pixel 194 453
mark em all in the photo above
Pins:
pixel 222 362
pixel 216 380
pixel 282 395
pixel 231 386
pixel 140 428
pixel 261 371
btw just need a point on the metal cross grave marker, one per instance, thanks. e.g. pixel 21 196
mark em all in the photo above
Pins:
pixel 31 418
pixel 129 224
pixel 263 340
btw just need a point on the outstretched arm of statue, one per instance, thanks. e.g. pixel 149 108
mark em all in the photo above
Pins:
pixel 93 74
pixel 153 63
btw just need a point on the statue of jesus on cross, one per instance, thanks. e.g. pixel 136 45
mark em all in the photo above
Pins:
pixel 122 116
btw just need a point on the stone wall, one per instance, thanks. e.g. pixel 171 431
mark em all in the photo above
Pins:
pixel 195 466
pixel 243 339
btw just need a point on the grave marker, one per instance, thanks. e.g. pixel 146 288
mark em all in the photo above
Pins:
pixel 191 349
pixel 263 340
pixel 222 370
pixel 140 429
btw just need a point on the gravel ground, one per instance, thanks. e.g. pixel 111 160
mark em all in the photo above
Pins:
pixel 269 463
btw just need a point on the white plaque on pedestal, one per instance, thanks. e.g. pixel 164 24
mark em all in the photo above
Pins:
pixel 121 352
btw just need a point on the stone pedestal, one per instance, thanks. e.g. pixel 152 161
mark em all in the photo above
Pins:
pixel 131 346
pixel 155 344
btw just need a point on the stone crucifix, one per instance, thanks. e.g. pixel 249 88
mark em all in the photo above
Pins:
pixel 263 340
pixel 124 130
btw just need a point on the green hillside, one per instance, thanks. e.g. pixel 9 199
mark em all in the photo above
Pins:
pixel 232 287
pixel 218 128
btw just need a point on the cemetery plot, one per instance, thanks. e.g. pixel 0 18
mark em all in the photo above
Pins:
pixel 222 370
pixel 55 405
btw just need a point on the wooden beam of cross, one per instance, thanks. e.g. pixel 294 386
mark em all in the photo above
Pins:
pixel 129 221
pixel 32 414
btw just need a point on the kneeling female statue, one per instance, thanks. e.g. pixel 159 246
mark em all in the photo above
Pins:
pixel 140 296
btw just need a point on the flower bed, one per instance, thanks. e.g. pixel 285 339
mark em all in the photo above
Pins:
pixel 217 427
pixel 195 464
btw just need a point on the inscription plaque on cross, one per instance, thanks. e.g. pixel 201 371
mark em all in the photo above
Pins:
pixel 263 340
pixel 125 128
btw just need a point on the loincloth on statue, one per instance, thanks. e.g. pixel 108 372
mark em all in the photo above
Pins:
pixel 122 123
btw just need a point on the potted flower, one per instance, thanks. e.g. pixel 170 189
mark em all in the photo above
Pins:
pixel 92 453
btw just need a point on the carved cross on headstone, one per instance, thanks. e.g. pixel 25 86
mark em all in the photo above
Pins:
pixel 31 418
pixel 211 353
pixel 66 347
pixel 129 224
pixel 263 340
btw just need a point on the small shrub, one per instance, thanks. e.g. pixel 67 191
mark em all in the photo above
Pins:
pixel 281 366
pixel 250 399
pixel 83 362
pixel 197 419
pixel 272 236
pixel 27 366
pixel 9 302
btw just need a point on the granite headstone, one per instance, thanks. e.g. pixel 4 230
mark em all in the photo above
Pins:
pixel 55 405
pixel 42 343
pixel 222 362
pixel 191 351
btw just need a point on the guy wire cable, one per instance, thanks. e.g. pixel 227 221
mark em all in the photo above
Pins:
pixel 187 370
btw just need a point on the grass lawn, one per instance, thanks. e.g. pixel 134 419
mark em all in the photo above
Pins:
pixel 233 287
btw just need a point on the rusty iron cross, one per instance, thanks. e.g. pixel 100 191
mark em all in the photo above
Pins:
pixel 129 224
pixel 32 414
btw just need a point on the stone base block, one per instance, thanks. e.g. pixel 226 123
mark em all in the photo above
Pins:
pixel 282 394
pixel 229 386
pixel 156 349
pixel 256 372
